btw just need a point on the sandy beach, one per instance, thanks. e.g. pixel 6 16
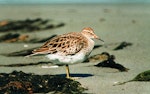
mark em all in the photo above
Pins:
pixel 114 23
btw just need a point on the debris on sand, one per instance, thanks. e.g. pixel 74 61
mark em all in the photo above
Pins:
pixel 144 76
pixel 98 57
pixel 19 38
pixel 10 37
pixel 122 45
pixel 108 61
pixel 102 19
pixel 28 25
pixel 29 83
pixel 97 46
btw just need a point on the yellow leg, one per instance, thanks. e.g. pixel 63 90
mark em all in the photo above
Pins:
pixel 67 71
pixel 68 74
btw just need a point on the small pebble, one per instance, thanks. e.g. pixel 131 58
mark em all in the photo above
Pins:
pixel 25 45
pixel 45 66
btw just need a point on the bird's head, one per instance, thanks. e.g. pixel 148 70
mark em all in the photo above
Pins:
pixel 89 32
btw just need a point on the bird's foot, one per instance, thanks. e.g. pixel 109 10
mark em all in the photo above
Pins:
pixel 73 78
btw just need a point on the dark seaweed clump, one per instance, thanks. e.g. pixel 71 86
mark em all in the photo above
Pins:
pixel 109 62
pixel 19 38
pixel 122 45
pixel 144 76
pixel 27 25
pixel 23 83
pixel 8 36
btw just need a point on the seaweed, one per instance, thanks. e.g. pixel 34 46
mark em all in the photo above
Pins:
pixel 14 37
pixel 28 25
pixel 29 83
pixel 122 45
pixel 108 61
pixel 8 36
pixel 19 38
pixel 144 76
pixel 97 46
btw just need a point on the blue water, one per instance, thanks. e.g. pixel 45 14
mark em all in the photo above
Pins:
pixel 69 1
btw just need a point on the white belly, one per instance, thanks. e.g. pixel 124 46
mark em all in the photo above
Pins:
pixel 70 59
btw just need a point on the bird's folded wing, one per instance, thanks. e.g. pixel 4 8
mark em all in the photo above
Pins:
pixel 64 44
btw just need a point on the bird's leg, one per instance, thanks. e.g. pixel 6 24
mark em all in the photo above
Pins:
pixel 68 74
pixel 67 71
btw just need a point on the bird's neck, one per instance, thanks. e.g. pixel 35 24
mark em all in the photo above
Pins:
pixel 90 46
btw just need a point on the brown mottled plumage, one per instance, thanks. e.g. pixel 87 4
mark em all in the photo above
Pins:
pixel 66 44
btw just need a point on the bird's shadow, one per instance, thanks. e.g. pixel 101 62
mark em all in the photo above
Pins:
pixel 76 75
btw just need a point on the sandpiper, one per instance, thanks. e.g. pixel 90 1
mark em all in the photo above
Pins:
pixel 69 48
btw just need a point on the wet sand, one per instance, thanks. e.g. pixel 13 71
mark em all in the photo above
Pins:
pixel 114 23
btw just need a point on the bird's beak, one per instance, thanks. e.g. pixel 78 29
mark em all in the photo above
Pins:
pixel 101 40
pixel 96 37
